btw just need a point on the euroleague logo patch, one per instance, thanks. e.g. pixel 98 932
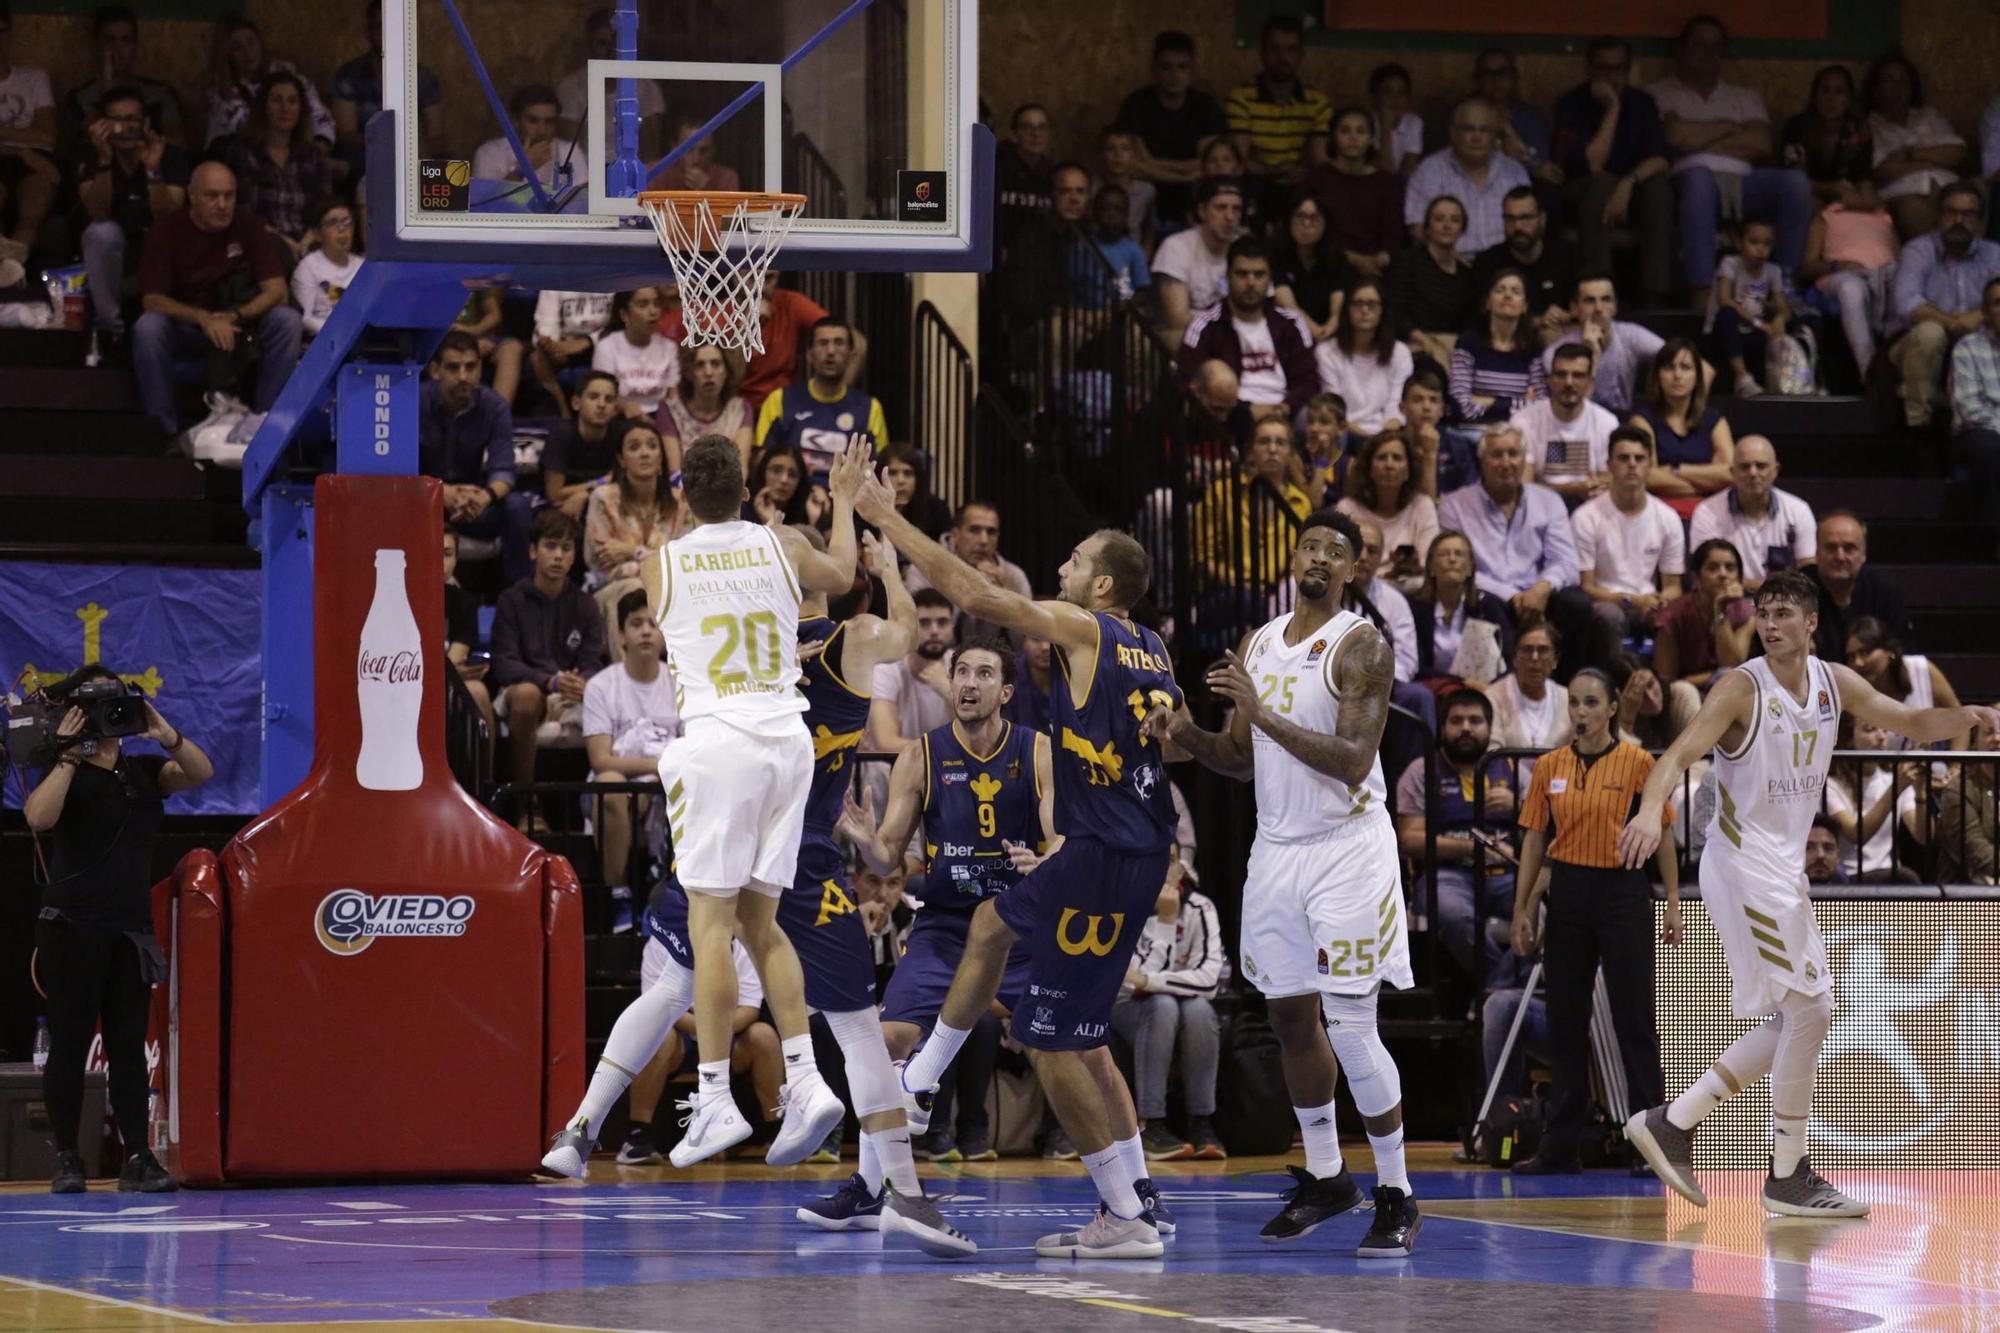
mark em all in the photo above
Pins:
pixel 348 920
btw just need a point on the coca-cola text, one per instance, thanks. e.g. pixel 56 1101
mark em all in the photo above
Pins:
pixel 395 668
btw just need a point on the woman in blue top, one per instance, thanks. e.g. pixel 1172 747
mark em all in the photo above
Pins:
pixel 1494 367
pixel 1692 444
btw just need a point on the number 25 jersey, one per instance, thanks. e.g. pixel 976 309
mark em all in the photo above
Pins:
pixel 730 615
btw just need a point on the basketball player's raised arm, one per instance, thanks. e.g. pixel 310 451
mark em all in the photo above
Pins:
pixel 882 844
pixel 1067 626
pixel 1920 725
pixel 1229 751
pixel 1729 703
pixel 1365 672
pixel 873 640
pixel 832 571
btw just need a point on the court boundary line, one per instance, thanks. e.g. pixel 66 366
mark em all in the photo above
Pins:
pixel 1689 1247
pixel 141 1306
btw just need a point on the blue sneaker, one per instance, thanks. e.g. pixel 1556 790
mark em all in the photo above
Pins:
pixel 849 1208
pixel 621 909
pixel 1163 1220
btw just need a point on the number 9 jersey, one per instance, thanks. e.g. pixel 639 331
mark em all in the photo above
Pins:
pixel 735 783
pixel 729 612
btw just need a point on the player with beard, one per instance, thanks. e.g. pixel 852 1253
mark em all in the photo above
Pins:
pixel 1080 911
pixel 1323 897
pixel 1772 723
pixel 984 791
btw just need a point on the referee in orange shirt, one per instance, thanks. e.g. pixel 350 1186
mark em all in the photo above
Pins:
pixel 1599 912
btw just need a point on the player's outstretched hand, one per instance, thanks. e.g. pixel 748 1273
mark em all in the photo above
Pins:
pixel 1023 857
pixel 857 822
pixel 1231 679
pixel 850 467
pixel 878 554
pixel 1640 839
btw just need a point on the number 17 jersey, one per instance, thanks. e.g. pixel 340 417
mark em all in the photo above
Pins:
pixel 729 612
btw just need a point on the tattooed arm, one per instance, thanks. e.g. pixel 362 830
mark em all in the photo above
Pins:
pixel 1364 673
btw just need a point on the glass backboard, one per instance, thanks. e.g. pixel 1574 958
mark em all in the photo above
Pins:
pixel 522 132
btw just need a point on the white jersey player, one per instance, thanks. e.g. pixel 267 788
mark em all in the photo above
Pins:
pixel 1772 724
pixel 1323 923
pixel 727 597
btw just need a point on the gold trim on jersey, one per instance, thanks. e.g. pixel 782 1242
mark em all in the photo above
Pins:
pixel 1756 720
pixel 1096 658
pixel 666 586
pixel 927 773
pixel 784 563
pixel 1006 731
pixel 1726 818
pixel 830 655
pixel 1035 762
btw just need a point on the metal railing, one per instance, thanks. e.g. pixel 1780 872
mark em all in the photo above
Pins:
pixel 939 405
pixel 810 174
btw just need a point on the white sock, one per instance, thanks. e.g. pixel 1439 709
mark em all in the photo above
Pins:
pixel 1316 1126
pixel 1114 1184
pixel 1747 1060
pixel 1134 1156
pixel 891 1150
pixel 926 1068
pixel 1390 1169
pixel 871 1163
pixel 1788 1142
pixel 713 1079
pixel 799 1061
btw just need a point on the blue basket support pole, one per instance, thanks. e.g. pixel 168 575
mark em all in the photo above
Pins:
pixel 626 174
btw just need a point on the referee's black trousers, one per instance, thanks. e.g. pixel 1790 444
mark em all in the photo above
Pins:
pixel 1598 917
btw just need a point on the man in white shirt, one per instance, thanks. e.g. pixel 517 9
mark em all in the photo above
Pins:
pixel 1470 171
pixel 1624 351
pixel 600 42
pixel 912 696
pixel 975 539
pixel 629 715
pixel 1627 538
pixel 1723 158
pixel 1568 437
pixel 559 164
pixel 1770 529
pixel 1191 267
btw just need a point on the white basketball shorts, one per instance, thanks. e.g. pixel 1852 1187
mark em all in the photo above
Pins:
pixel 1327 915
pixel 1769 933
pixel 736 803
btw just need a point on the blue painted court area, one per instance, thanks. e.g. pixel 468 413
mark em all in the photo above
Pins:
pixel 652 1251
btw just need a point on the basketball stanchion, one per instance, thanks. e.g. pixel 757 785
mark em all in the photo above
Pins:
pixel 720 243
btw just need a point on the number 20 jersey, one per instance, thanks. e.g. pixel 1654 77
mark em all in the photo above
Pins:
pixel 730 616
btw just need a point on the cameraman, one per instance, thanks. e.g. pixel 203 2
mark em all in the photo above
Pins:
pixel 96 954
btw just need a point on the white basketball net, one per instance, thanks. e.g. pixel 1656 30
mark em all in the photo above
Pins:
pixel 719 263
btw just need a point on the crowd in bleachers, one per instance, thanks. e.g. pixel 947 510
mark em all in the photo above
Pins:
pixel 1427 336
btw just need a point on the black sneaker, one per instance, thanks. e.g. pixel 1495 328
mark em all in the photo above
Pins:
pixel 1207 1143
pixel 143 1174
pixel 1548 1164
pixel 68 1178
pixel 1161 1144
pixel 978 1148
pixel 639 1148
pixel 1058 1148
pixel 1393 1234
pixel 935 1146
pixel 1156 1207
pixel 1310 1202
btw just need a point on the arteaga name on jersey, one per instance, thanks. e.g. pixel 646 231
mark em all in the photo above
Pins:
pixel 722 562
pixel 1138 659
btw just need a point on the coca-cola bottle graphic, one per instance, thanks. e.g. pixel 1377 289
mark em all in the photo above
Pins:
pixel 390 679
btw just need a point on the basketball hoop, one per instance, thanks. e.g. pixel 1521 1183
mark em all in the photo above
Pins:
pixel 719 244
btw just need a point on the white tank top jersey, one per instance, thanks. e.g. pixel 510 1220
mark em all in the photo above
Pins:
pixel 730 616
pixel 1296 803
pixel 1768 790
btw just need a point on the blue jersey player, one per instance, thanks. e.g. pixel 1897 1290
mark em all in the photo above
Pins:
pixel 1079 912
pixel 818 912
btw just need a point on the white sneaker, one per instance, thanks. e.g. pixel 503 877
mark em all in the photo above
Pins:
pixel 919 1219
pixel 569 1156
pixel 712 1125
pixel 214 442
pixel 1105 1236
pixel 808 1111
